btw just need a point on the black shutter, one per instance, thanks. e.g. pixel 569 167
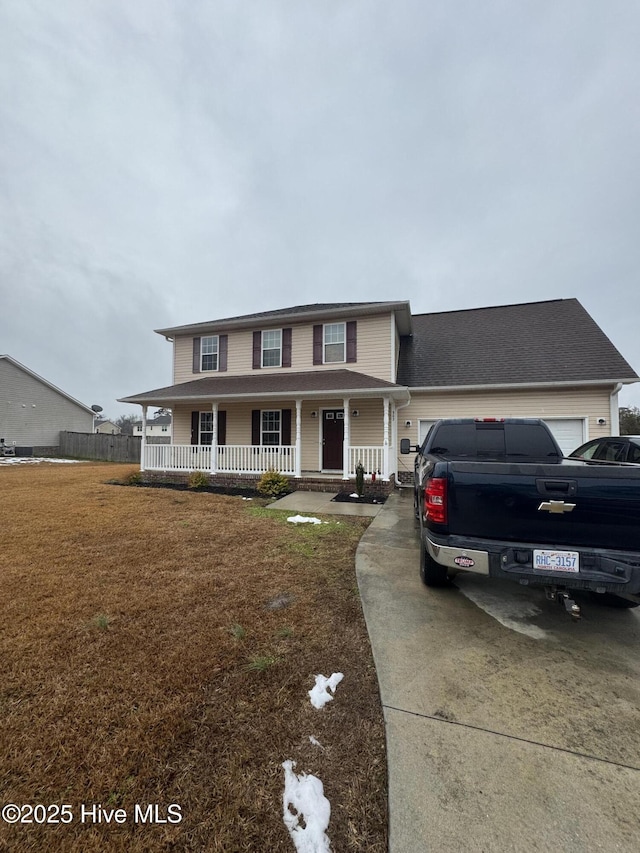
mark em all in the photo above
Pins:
pixel 255 426
pixel 286 426
pixel 196 355
pixel 286 347
pixel 317 344
pixel 222 427
pixel 223 341
pixel 257 350
pixel 352 341
pixel 195 427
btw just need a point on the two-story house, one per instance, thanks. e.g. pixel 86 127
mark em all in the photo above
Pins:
pixel 156 430
pixel 312 390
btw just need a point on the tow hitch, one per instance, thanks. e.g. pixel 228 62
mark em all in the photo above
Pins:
pixel 563 597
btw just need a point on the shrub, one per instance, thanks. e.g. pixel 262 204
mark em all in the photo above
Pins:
pixel 134 479
pixel 360 479
pixel 198 480
pixel 273 485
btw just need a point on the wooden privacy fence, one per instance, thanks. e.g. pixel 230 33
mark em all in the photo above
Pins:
pixel 107 448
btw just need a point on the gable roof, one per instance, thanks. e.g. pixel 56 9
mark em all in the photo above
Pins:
pixel 555 341
pixel 300 313
pixel 308 383
pixel 26 370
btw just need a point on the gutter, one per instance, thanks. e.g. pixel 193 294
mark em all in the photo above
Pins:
pixel 518 386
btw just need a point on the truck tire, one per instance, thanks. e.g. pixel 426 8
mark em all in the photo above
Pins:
pixel 610 599
pixel 431 573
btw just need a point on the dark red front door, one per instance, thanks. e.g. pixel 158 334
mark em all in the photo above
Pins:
pixel 332 439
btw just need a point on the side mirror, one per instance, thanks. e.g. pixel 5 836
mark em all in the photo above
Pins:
pixel 405 446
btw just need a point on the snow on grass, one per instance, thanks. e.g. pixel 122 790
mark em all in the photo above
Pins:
pixel 319 694
pixel 306 811
pixel 305 519
pixel 30 460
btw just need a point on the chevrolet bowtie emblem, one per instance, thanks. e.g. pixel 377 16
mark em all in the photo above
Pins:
pixel 556 506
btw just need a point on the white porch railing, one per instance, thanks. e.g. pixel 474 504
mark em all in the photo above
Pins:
pixel 250 459
pixel 256 459
pixel 230 458
pixel 177 457
pixel 372 459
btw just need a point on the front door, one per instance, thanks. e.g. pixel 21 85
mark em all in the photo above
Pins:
pixel 332 439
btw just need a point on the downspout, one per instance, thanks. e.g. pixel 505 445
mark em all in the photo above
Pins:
pixel 614 412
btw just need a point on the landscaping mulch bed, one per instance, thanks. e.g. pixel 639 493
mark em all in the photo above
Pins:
pixel 158 647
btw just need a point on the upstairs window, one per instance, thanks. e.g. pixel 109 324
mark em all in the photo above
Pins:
pixel 209 353
pixel 334 343
pixel 272 348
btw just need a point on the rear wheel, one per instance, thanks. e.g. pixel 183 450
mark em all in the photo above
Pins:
pixel 609 599
pixel 431 573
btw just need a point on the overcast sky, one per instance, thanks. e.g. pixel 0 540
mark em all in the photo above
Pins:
pixel 175 161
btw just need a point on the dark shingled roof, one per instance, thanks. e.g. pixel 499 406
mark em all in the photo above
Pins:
pixel 260 383
pixel 535 342
pixel 299 312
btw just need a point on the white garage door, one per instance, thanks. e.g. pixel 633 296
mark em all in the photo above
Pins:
pixel 568 432
pixel 425 426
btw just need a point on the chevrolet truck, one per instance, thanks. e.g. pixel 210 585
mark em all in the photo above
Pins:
pixel 496 496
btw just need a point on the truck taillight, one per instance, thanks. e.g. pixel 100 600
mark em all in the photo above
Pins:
pixel 435 500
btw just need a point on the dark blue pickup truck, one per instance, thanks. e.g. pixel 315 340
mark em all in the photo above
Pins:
pixel 497 497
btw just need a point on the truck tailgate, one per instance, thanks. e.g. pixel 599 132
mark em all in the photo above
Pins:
pixel 513 501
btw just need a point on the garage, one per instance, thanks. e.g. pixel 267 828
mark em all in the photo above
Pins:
pixel 568 432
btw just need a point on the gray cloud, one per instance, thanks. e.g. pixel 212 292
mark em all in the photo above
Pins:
pixel 169 162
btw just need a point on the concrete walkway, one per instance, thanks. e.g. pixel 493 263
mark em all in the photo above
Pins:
pixel 320 502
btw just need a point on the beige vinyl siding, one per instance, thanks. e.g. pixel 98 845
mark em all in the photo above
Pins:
pixel 374 351
pixel 589 403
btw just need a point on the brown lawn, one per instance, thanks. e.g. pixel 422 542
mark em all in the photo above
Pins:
pixel 144 661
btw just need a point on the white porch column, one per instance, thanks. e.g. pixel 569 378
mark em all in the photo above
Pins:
pixel 214 439
pixel 385 441
pixel 143 445
pixel 298 473
pixel 347 440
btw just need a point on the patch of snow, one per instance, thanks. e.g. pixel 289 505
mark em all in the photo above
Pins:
pixel 247 499
pixel 305 519
pixel 315 742
pixel 21 460
pixel 319 694
pixel 304 799
pixel 508 607
pixel 354 495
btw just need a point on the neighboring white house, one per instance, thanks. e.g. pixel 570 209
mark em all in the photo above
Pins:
pixel 33 412
pixel 107 428
pixel 158 429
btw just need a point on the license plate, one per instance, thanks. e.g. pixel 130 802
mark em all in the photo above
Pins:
pixel 557 561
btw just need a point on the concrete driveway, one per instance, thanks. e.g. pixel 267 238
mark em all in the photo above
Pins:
pixel 509 727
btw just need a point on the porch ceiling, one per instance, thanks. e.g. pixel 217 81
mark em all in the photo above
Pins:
pixel 313 384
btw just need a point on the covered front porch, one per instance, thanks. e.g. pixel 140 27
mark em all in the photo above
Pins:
pixel 324 444
pixel 307 426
